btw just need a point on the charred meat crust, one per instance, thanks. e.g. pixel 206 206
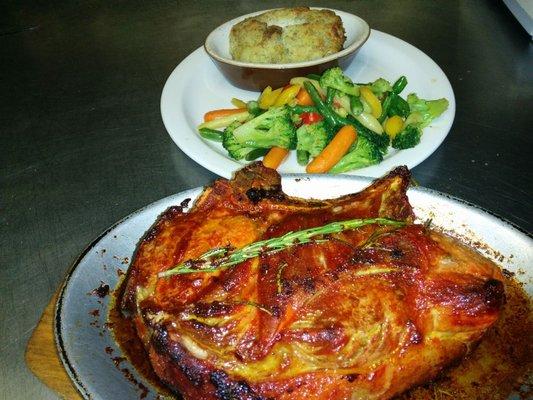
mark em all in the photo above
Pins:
pixel 228 389
pixel 194 373
pixel 494 294
pixel 191 369
pixel 255 195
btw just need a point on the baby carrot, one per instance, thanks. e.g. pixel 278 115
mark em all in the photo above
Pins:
pixel 334 151
pixel 303 98
pixel 223 112
pixel 275 157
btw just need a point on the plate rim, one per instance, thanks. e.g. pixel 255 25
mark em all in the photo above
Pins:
pixel 223 166
pixel 364 180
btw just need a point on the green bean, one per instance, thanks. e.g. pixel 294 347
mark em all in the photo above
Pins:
pixel 330 95
pixel 297 109
pixel 211 134
pixel 315 77
pixel 385 107
pixel 399 85
pixel 328 114
pixel 255 154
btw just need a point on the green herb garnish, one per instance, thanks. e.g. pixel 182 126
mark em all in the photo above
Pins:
pixel 225 257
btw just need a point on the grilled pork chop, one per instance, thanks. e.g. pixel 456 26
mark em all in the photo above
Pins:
pixel 362 314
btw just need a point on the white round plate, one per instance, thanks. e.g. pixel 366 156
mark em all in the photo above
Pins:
pixel 84 342
pixel 196 86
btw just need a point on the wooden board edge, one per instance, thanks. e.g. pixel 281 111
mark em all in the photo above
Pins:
pixel 42 358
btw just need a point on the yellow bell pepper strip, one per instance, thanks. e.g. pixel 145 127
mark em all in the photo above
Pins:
pixel 264 94
pixel 372 100
pixel 238 103
pixel 275 157
pixel 269 97
pixel 393 126
pixel 287 95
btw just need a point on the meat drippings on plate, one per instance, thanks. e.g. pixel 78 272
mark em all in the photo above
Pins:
pixel 365 313
pixel 501 364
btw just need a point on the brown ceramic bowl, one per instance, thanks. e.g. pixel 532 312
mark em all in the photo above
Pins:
pixel 256 76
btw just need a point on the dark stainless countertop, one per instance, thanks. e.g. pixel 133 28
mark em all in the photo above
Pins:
pixel 83 144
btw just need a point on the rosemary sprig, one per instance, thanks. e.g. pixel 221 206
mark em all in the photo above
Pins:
pixel 223 258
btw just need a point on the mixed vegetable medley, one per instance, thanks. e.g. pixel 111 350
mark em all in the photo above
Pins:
pixel 334 124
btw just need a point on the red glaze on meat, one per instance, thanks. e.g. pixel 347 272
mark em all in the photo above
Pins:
pixel 365 314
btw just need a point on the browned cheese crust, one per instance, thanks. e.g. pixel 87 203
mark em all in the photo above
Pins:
pixel 287 35
pixel 362 314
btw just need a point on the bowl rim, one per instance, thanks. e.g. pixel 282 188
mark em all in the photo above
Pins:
pixel 359 41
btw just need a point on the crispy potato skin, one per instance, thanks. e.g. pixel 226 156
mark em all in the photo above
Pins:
pixel 365 315
pixel 287 35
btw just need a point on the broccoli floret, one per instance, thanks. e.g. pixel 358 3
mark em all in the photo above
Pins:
pixel 408 137
pixel 272 128
pixel 422 112
pixel 236 149
pixel 334 78
pixel 312 138
pixel 381 141
pixel 380 86
pixel 428 110
pixel 362 154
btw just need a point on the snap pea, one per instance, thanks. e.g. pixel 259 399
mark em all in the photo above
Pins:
pixel 211 134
